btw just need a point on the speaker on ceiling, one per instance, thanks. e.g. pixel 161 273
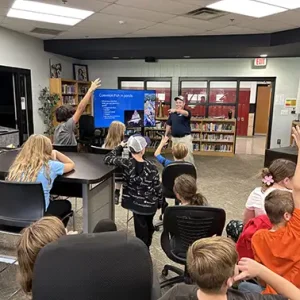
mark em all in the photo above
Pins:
pixel 150 59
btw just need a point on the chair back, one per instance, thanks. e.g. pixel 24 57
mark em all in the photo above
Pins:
pixel 107 265
pixel 99 150
pixel 86 127
pixel 171 172
pixel 65 148
pixel 183 225
pixel 21 203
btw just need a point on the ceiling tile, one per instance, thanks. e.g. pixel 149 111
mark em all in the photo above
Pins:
pixel 199 3
pixel 107 22
pixel 165 6
pixel 192 23
pixel 267 26
pixel 4 11
pixel 81 35
pixel 136 13
pixel 289 17
pixel 166 30
pixel 232 19
pixel 93 5
pixel 18 25
pixel 6 3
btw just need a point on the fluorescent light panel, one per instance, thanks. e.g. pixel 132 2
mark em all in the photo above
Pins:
pixel 50 9
pixel 289 4
pixel 247 8
pixel 37 11
pixel 28 15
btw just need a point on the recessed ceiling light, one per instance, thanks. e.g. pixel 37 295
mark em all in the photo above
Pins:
pixel 38 11
pixel 247 8
pixel 116 57
pixel 289 4
pixel 264 55
pixel 186 56
pixel 29 15
pixel 121 22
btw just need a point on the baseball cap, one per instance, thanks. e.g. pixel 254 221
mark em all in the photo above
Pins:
pixel 137 143
pixel 179 98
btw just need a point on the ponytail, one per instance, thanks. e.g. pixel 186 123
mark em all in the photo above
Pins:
pixel 198 199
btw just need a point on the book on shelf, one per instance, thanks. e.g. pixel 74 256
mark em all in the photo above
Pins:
pixel 216 137
pixel 217 127
pixel 68 89
pixel 68 100
pixel 216 148
pixel 196 146
pixel 82 89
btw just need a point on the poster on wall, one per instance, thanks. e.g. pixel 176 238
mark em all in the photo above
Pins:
pixel 55 68
pixel 290 102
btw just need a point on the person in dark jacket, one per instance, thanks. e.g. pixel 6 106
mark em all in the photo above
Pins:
pixel 142 192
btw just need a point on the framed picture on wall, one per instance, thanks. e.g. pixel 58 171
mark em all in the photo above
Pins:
pixel 80 72
pixel 55 68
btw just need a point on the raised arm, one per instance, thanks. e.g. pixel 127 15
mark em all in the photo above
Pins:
pixel 250 269
pixel 69 164
pixel 84 102
pixel 163 142
pixel 115 157
pixel 296 179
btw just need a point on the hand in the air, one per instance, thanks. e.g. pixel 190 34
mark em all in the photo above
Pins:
pixel 172 110
pixel 164 140
pixel 123 144
pixel 296 135
pixel 95 85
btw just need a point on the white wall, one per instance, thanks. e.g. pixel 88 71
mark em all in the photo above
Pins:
pixel 286 70
pixel 22 51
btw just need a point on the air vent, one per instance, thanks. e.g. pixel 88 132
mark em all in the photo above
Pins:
pixel 46 31
pixel 205 13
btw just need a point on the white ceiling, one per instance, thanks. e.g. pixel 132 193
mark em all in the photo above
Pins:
pixel 149 18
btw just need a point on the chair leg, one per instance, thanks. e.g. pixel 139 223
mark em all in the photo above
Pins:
pixel 174 269
pixel 74 224
pixel 172 281
pixel 128 220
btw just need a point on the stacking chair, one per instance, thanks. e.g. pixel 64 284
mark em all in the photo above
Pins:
pixel 169 174
pixel 183 225
pixel 97 266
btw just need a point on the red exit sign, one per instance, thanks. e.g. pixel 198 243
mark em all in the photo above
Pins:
pixel 260 62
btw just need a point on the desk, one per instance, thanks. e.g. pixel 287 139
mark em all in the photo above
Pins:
pixel 92 180
pixel 290 153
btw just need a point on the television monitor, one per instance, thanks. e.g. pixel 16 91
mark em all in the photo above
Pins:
pixel 133 108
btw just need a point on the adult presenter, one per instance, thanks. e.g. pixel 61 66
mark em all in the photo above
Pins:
pixel 179 123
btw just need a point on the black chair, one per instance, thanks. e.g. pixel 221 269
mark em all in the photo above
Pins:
pixel 86 130
pixel 183 225
pixel 169 174
pixel 99 266
pixel 65 148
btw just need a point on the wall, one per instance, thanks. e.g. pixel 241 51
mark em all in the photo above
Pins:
pixel 22 51
pixel 286 70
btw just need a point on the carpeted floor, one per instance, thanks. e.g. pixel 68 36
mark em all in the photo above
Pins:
pixel 226 182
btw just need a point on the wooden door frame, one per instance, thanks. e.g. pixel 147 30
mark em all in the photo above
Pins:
pixel 257 86
pixel 27 73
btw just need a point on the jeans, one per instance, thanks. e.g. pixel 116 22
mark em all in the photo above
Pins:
pixel 144 229
pixel 248 287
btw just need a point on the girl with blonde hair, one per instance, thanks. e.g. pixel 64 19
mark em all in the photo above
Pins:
pixel 113 139
pixel 38 162
pixel 115 135
pixel 32 240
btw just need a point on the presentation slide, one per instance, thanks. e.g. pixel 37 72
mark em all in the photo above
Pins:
pixel 133 108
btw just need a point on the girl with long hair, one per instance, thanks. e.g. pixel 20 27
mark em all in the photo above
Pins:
pixel 113 139
pixel 185 189
pixel 38 162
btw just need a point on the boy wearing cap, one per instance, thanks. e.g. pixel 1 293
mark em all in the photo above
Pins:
pixel 142 192
pixel 179 123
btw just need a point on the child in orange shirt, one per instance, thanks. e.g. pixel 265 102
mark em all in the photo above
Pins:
pixel 278 248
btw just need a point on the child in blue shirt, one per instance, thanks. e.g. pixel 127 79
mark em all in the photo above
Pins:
pixel 38 162
pixel 179 151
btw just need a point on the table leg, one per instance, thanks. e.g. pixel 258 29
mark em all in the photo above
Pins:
pixel 98 203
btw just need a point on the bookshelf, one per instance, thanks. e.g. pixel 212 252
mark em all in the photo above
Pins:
pixel 70 92
pixel 211 137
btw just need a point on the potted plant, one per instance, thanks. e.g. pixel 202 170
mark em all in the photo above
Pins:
pixel 48 103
